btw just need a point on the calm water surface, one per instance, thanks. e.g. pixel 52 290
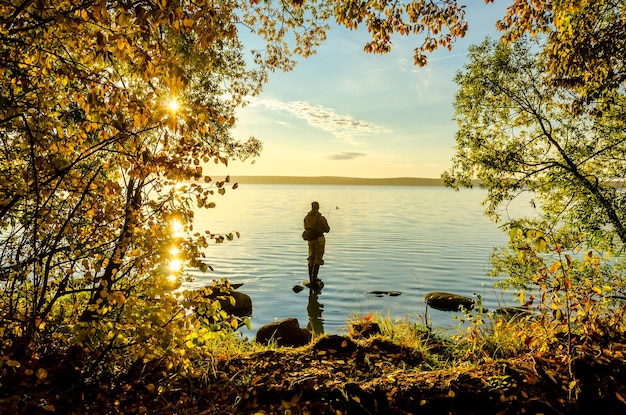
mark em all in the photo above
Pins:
pixel 383 238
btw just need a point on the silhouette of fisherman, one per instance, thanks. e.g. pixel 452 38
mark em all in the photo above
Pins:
pixel 316 222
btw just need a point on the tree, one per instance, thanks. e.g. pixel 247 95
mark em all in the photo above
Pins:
pixel 105 108
pixel 517 134
pixel 584 43
pixel 521 132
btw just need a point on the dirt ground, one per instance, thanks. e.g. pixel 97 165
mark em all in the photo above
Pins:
pixel 339 375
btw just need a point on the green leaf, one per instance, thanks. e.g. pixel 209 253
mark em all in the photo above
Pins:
pixel 541 244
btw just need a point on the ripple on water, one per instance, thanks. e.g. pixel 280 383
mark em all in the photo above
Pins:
pixel 408 239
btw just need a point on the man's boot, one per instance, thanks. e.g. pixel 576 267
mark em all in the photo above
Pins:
pixel 316 269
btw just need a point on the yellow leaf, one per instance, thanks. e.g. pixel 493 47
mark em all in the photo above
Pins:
pixel 558 314
pixel 356 399
pixel 597 289
pixel 555 267
pixel 41 373
pixel 451 394
pixel 118 297
pixel 150 387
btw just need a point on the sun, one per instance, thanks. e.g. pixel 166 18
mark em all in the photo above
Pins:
pixel 173 105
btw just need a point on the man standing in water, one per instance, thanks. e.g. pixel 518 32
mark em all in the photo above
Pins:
pixel 315 220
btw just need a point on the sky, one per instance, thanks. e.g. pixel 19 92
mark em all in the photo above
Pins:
pixel 343 112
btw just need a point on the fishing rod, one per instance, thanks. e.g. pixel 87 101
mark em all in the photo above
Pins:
pixel 331 203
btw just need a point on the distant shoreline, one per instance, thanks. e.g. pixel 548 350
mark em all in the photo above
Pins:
pixel 326 180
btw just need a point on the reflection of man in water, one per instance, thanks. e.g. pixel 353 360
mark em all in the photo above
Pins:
pixel 315 220
pixel 314 310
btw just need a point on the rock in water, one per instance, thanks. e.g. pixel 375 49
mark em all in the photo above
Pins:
pixel 448 301
pixel 239 306
pixel 242 305
pixel 382 293
pixel 511 312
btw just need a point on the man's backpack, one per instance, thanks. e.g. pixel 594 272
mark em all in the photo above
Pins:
pixel 311 234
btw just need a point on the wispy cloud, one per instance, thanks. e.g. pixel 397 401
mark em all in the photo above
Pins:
pixel 343 127
pixel 346 155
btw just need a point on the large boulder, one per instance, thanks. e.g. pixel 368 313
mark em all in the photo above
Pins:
pixel 448 301
pixel 236 304
pixel 242 305
pixel 285 332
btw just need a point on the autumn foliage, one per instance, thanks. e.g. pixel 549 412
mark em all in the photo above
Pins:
pixel 106 108
pixel 111 115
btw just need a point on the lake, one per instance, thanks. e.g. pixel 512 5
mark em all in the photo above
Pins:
pixel 410 239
